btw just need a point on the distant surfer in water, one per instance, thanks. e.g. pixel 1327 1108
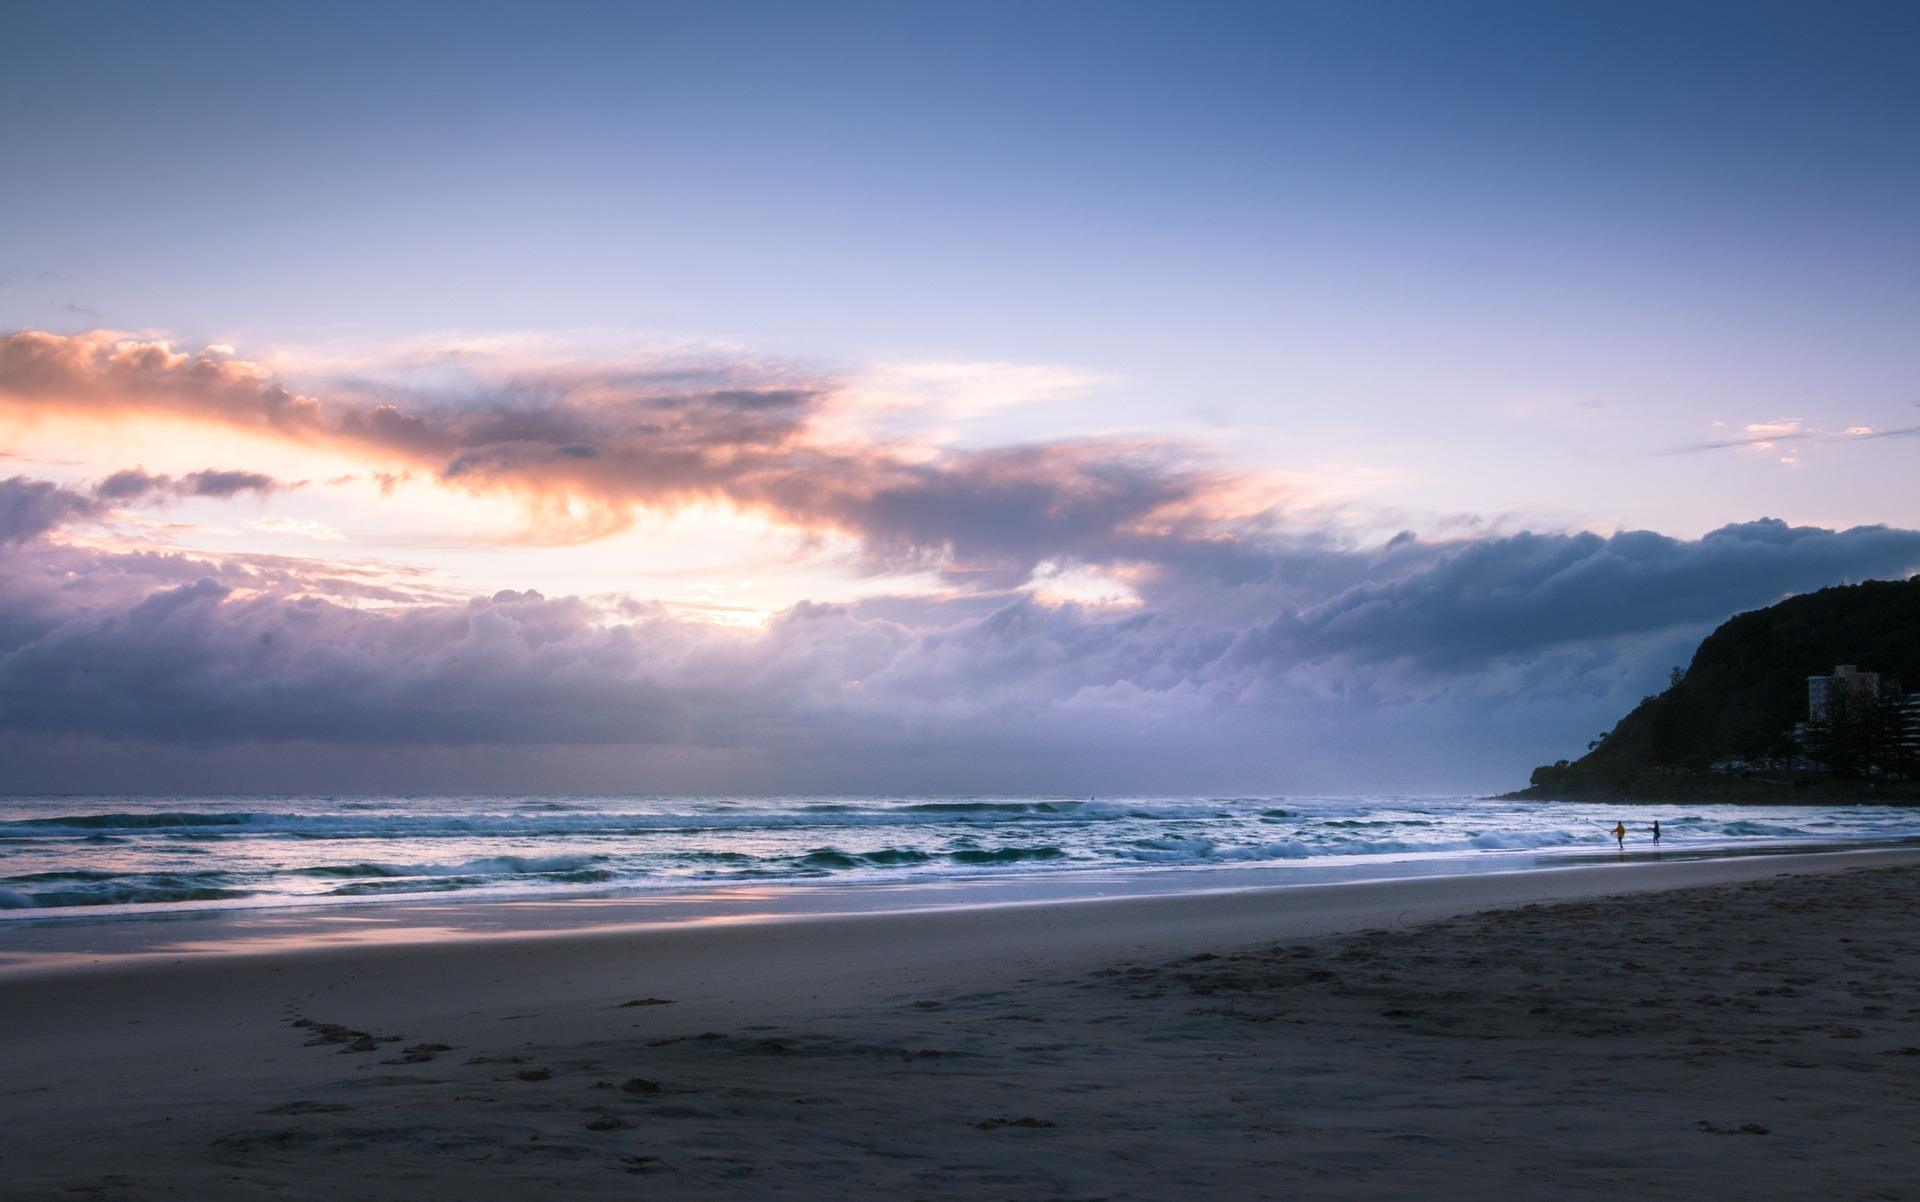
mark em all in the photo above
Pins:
pixel 1620 834
pixel 1656 830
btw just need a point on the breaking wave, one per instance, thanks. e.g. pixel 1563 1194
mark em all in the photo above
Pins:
pixel 111 889
pixel 62 855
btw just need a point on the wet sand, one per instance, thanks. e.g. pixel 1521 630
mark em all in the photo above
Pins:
pixel 1721 1028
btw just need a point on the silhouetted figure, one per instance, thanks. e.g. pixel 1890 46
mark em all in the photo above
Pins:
pixel 1620 834
pixel 1656 830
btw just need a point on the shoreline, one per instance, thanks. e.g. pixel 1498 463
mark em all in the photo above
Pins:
pixel 1083 928
pixel 37 943
pixel 105 858
pixel 1321 1041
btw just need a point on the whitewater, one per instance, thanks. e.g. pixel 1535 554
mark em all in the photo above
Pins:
pixel 98 856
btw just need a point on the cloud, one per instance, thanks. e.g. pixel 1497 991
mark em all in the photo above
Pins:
pixel 584 447
pixel 30 508
pixel 1434 663
pixel 228 483
pixel 956 392
pixel 300 527
pixel 1765 436
pixel 134 484
pixel 1517 596
pixel 1122 614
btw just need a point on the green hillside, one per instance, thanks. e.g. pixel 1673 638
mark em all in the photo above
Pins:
pixel 1741 695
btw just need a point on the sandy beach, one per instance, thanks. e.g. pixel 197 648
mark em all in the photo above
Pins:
pixel 1724 1028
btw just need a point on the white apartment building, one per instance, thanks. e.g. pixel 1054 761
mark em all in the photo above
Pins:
pixel 1845 676
pixel 1866 684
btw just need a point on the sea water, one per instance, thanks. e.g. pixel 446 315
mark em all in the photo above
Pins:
pixel 118 855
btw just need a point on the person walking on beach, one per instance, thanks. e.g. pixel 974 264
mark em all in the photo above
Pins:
pixel 1656 830
pixel 1620 834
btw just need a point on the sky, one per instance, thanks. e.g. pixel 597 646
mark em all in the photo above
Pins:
pixel 1069 397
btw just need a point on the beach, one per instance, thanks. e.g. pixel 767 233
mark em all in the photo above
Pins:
pixel 1729 1027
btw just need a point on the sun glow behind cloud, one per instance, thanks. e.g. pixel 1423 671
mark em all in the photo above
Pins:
pixel 1056 584
pixel 730 558
pixel 712 553
pixel 708 560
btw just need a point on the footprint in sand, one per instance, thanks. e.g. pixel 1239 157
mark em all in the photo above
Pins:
pixel 308 1108
pixel 607 1122
pixel 419 1053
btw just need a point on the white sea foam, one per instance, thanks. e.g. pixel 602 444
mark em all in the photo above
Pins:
pixel 67 855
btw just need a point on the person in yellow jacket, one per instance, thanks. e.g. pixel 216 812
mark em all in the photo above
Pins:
pixel 1620 834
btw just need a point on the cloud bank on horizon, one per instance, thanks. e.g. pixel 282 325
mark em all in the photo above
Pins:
pixel 1248 641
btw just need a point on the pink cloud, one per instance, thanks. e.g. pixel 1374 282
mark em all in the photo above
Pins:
pixel 584 447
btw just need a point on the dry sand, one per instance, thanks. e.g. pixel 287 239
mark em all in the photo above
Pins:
pixel 1637 1031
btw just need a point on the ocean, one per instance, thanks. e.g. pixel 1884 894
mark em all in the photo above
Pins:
pixel 97 856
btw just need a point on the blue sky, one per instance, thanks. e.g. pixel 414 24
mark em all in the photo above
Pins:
pixel 1464 270
pixel 1343 231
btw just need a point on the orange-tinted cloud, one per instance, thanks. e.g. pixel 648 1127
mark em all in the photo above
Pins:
pixel 584 448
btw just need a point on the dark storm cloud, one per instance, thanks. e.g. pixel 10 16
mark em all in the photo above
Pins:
pixel 1515 595
pixel 1446 651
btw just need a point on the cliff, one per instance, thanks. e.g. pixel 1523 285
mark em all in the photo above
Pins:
pixel 1739 698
